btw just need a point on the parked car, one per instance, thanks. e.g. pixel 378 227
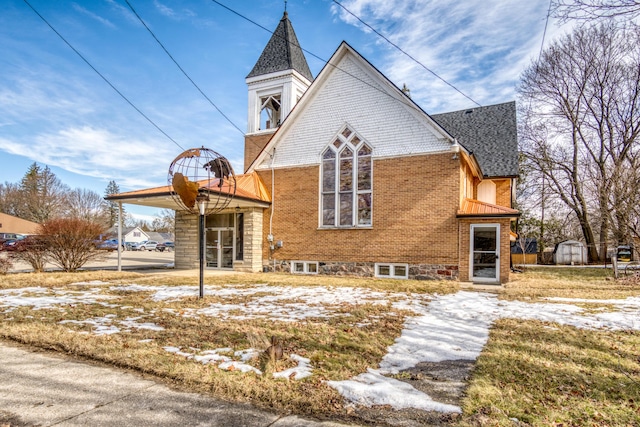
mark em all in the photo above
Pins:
pixel 147 245
pixel 109 245
pixel 168 246
pixel 8 245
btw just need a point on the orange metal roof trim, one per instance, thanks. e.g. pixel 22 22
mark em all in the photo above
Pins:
pixel 471 207
pixel 248 186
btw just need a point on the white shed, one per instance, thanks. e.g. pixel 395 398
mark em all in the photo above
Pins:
pixel 570 252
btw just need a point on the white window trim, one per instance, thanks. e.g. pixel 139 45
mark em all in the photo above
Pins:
pixel 356 192
pixel 305 268
pixel 481 279
pixel 392 268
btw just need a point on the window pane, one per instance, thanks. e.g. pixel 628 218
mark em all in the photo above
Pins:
pixel 312 267
pixel 346 153
pixel 240 236
pixel 346 208
pixel 364 209
pixel 329 209
pixel 298 267
pixel 400 271
pixel 484 239
pixel 355 140
pixel 337 143
pixel 364 150
pixel 384 270
pixel 346 174
pixel 346 133
pixel 364 173
pixel 328 154
pixel 328 175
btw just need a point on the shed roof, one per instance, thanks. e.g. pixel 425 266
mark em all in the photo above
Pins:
pixel 472 208
pixel 283 52
pixel 490 133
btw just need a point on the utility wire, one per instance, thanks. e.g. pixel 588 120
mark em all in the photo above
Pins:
pixel 544 33
pixel 405 53
pixel 408 104
pixel 103 77
pixel 181 69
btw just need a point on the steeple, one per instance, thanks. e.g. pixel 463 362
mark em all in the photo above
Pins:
pixel 275 85
pixel 283 52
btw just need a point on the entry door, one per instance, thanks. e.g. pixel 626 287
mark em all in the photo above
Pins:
pixel 220 247
pixel 485 253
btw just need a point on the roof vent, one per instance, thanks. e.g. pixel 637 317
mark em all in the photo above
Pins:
pixel 468 112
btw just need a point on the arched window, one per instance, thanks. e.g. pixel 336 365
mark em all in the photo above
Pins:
pixel 346 197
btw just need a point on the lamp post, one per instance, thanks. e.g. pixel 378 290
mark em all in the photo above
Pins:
pixel 202 200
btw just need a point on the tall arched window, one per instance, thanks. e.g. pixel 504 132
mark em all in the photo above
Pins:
pixel 346 197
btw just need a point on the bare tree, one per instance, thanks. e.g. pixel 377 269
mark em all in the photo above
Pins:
pixel 580 124
pixel 86 204
pixel 588 10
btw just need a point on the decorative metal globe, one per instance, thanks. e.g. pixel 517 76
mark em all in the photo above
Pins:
pixel 202 181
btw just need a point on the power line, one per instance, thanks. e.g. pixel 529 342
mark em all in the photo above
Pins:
pixel 181 69
pixel 326 62
pixel 102 76
pixel 405 53
pixel 544 33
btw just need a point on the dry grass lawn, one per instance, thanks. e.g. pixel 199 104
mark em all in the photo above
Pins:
pixel 537 373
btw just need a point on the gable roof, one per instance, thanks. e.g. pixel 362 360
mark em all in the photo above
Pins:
pixel 283 52
pixel 490 133
pixel 374 80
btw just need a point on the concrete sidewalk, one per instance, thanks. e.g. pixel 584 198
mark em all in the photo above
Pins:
pixel 47 390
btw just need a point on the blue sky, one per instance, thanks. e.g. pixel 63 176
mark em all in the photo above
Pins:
pixel 55 110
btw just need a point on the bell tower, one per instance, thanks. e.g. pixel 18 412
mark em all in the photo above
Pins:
pixel 275 84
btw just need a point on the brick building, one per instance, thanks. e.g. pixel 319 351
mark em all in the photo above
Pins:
pixel 345 174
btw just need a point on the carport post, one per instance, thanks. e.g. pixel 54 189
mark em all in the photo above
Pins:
pixel 119 236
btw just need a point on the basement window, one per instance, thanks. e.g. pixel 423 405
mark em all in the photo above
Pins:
pixel 392 271
pixel 304 267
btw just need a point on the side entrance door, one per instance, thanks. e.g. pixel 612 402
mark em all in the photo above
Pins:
pixel 485 253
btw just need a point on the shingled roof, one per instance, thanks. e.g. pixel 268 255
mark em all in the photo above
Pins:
pixel 283 52
pixel 488 132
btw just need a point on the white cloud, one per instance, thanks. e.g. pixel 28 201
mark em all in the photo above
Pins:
pixel 479 47
pixel 93 16
pixel 97 153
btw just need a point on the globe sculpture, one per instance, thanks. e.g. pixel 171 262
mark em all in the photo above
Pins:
pixel 203 181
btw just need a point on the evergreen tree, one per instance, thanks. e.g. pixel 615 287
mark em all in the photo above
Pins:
pixel 111 206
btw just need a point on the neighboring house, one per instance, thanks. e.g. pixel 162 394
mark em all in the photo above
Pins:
pixel 358 179
pixel 524 251
pixel 13 225
pixel 129 234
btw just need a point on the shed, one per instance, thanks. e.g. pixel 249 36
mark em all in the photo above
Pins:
pixel 570 252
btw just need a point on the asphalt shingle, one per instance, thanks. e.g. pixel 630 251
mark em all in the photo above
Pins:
pixel 488 132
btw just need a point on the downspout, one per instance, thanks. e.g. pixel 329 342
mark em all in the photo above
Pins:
pixel 273 206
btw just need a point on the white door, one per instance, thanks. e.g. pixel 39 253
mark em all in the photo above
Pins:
pixel 485 253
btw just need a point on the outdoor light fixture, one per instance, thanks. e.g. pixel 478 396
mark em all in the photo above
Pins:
pixel 455 148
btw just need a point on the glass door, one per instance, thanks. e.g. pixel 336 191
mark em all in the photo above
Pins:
pixel 219 249
pixel 485 253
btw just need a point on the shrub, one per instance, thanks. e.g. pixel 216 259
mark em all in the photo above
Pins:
pixel 70 242
pixel 32 250
pixel 5 265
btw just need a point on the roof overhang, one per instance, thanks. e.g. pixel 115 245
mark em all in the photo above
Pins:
pixel 250 192
pixel 476 209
